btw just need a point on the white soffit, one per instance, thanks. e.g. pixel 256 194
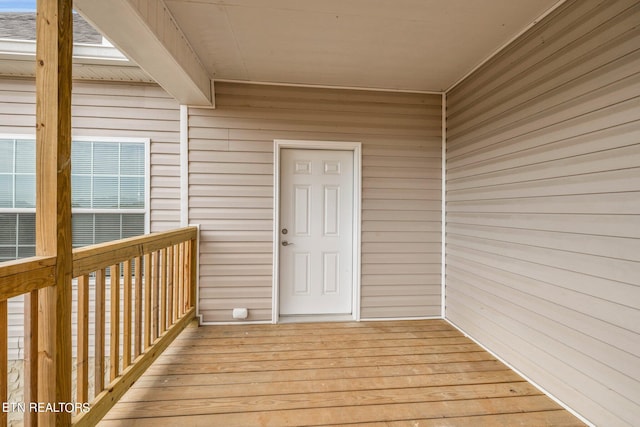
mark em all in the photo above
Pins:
pixel 415 45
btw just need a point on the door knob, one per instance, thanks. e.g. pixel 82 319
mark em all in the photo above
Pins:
pixel 285 243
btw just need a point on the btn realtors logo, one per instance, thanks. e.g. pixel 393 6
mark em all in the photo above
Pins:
pixel 22 407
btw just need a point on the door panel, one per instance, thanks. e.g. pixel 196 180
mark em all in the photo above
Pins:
pixel 316 234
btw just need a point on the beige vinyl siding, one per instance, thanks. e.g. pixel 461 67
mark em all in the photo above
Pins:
pixel 543 207
pixel 231 192
pixel 102 109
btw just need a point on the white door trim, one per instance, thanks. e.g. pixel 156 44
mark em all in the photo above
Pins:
pixel 356 147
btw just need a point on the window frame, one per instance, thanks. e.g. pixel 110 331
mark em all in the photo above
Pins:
pixel 102 139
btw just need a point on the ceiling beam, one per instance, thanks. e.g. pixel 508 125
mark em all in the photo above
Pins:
pixel 147 34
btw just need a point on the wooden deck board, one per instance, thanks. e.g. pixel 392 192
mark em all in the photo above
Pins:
pixel 420 373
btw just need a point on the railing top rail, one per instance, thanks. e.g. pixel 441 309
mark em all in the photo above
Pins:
pixel 95 257
pixel 25 275
pixel 29 274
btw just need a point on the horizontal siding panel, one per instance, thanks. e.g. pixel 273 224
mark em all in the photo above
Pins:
pixel 397 215
pixel 404 268
pixel 235 247
pixel 543 207
pixel 597 225
pixel 620 248
pixel 245 269
pixel 544 151
pixel 403 162
pixel 623 181
pixel 401 226
pixel 626 203
pixel 238 202
pixel 239 224
pixel 401 301
pixel 406 247
pixel 231 187
pixel 403 205
pixel 235 281
pixel 390 281
pixel 409 152
pixel 604 161
pixel 392 194
pixel 230 191
pixel 402 183
pixel 205 214
pixel 400 237
pixel 397 172
pixel 594 121
pixel 228 293
pixel 227 259
pixel 383 291
pixel 401 312
pixel 216 166
pixel 406 258
pixel 559 278
pixel 616 269
pixel 227 179
pixel 197 157
pixel 235 236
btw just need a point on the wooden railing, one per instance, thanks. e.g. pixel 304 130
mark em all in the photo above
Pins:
pixel 150 281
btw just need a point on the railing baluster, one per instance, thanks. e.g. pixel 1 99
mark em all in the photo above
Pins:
pixel 187 275
pixel 4 362
pixel 126 331
pixel 163 291
pixel 99 332
pixel 181 280
pixel 176 281
pixel 170 311
pixel 147 301
pixel 30 355
pixel 114 343
pixel 82 377
pixel 137 346
pixel 154 293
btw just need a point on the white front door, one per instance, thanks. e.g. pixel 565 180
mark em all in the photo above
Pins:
pixel 316 232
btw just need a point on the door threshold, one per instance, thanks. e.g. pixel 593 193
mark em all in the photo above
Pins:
pixel 311 318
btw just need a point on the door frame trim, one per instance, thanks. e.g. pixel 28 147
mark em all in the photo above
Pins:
pixel 356 148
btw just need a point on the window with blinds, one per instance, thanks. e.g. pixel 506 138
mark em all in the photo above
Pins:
pixel 108 193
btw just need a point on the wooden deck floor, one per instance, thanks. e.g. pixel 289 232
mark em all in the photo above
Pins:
pixel 409 373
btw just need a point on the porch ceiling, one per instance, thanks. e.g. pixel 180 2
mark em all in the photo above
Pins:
pixel 418 45
pixel 412 45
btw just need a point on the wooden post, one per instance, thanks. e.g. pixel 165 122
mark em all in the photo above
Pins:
pixel 54 41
